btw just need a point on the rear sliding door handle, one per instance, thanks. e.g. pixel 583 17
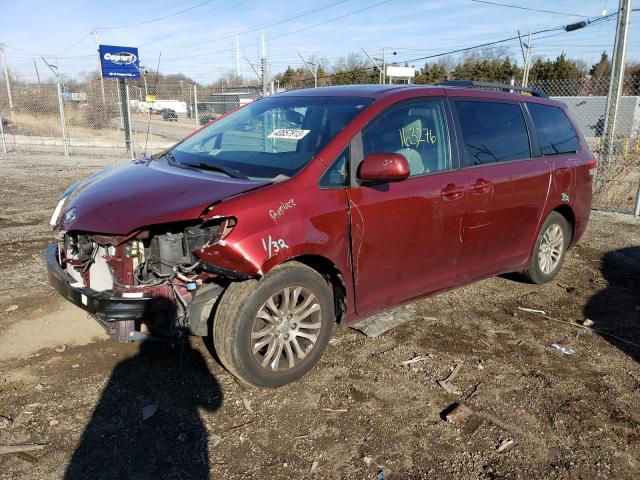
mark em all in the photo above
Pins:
pixel 452 192
pixel 481 187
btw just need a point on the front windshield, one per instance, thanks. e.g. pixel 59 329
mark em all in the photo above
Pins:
pixel 272 138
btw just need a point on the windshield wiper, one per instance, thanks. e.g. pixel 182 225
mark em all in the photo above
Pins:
pixel 231 172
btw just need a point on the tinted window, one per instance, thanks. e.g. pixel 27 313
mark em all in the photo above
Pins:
pixel 417 130
pixel 338 173
pixel 555 132
pixel 492 132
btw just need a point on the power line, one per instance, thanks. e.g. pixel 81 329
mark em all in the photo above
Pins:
pixel 289 33
pixel 504 40
pixel 255 28
pixel 332 19
pixel 529 9
pixel 157 19
pixel 76 43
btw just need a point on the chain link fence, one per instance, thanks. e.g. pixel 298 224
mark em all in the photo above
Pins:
pixel 618 181
pixel 82 118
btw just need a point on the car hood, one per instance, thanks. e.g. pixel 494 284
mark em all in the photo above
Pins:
pixel 121 199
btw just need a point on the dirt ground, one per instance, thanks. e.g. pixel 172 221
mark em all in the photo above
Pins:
pixel 360 414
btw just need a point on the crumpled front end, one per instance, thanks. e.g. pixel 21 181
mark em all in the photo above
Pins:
pixel 148 282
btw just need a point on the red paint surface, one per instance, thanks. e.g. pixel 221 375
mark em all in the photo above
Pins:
pixel 392 242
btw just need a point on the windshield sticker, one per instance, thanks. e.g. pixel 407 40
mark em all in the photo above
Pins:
pixel 273 246
pixel 414 136
pixel 280 211
pixel 288 133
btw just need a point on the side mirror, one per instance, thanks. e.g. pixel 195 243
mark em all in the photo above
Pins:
pixel 384 167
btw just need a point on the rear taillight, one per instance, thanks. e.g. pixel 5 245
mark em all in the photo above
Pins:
pixel 593 167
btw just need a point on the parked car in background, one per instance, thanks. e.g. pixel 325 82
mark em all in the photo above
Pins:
pixel 204 119
pixel 169 115
pixel 323 206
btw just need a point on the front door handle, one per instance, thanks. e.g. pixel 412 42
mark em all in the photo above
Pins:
pixel 452 192
pixel 481 187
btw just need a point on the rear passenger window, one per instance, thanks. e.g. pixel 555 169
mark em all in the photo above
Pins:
pixel 555 132
pixel 417 130
pixel 492 132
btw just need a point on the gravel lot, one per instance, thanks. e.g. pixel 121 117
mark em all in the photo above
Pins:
pixel 361 411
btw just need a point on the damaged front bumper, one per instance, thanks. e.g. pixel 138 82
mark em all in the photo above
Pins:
pixel 116 314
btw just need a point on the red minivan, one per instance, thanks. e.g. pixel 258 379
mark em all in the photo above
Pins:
pixel 323 206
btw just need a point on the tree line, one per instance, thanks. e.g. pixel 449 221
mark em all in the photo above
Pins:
pixel 492 65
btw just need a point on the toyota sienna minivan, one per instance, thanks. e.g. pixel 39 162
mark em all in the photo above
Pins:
pixel 313 207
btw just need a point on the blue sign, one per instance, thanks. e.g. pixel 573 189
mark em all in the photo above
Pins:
pixel 119 62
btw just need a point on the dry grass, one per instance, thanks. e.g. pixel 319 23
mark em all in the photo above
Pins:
pixel 47 125
pixel 616 188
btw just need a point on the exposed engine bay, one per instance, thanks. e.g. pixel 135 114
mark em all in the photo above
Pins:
pixel 161 265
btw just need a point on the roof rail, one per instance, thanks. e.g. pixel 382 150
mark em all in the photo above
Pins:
pixel 497 86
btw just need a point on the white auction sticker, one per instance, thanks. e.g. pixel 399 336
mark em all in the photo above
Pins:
pixel 288 133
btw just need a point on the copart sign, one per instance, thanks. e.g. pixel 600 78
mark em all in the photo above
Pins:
pixel 119 62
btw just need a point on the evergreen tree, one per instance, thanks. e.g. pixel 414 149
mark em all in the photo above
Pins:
pixel 602 69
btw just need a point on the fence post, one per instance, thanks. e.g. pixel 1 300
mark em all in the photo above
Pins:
pixel 120 105
pixel 125 108
pixel 4 143
pixel 637 210
pixel 62 119
pixel 195 104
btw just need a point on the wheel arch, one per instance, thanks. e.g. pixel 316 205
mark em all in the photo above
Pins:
pixel 569 215
pixel 332 274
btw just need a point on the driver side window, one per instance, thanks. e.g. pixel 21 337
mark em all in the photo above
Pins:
pixel 417 130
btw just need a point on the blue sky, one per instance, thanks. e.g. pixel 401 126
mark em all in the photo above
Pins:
pixel 201 42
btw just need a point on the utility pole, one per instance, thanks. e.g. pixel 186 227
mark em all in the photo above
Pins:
pixel 6 79
pixel 238 56
pixel 63 125
pixel 526 58
pixel 35 65
pixel 143 72
pixel 375 64
pixel 314 72
pixel 195 104
pixel 384 67
pixel 95 38
pixel 265 69
pixel 616 81
pixel 258 74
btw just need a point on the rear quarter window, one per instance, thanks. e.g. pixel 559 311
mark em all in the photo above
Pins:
pixel 492 132
pixel 555 132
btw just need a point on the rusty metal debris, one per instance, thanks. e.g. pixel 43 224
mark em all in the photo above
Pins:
pixel 459 413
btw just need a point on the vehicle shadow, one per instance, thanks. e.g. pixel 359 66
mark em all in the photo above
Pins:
pixel 170 385
pixel 616 309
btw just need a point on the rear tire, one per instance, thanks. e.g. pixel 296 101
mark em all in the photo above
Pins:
pixel 272 331
pixel 549 250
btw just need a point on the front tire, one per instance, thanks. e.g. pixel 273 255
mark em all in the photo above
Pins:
pixel 272 331
pixel 550 249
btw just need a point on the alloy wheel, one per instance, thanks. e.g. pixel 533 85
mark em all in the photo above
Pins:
pixel 550 249
pixel 286 328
